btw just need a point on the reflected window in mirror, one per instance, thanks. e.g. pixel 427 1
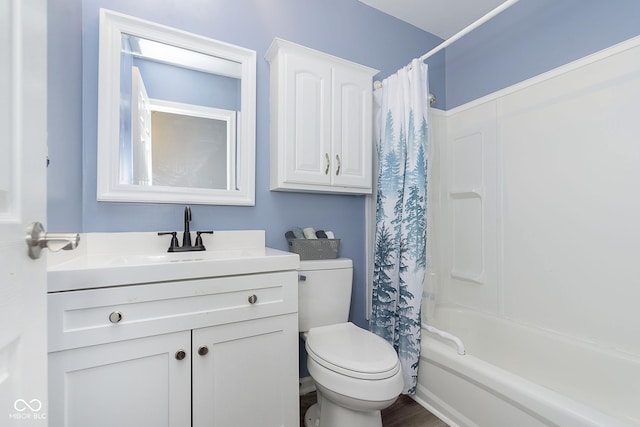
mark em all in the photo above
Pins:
pixel 176 144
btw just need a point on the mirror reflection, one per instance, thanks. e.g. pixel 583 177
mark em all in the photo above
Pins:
pixel 178 116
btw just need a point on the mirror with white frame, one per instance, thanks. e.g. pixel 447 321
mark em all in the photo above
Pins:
pixel 176 116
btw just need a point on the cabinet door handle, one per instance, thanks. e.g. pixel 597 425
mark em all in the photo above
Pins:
pixel 181 354
pixel 203 350
pixel 115 317
pixel 339 165
pixel 326 169
pixel 253 299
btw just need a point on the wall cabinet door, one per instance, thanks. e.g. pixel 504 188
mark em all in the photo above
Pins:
pixel 307 106
pixel 245 374
pixel 351 141
pixel 321 121
pixel 137 382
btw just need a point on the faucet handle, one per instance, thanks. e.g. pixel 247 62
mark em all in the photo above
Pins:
pixel 199 237
pixel 174 240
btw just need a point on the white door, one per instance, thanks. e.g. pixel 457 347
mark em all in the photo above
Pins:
pixel 23 118
pixel 141 165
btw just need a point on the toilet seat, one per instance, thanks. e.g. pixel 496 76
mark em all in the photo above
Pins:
pixel 352 351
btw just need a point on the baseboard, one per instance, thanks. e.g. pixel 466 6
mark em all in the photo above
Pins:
pixel 306 385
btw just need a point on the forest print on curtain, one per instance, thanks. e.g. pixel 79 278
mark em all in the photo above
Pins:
pixel 401 214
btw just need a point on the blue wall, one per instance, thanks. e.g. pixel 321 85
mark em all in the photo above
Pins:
pixel 177 84
pixel 532 37
pixel 345 28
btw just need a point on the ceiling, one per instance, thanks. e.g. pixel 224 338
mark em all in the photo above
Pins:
pixel 443 18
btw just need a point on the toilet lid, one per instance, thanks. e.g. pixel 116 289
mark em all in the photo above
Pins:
pixel 353 351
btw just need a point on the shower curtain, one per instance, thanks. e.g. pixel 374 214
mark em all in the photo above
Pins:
pixel 401 214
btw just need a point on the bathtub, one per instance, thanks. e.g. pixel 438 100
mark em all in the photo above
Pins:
pixel 518 376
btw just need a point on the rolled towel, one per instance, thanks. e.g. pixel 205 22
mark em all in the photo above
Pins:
pixel 309 233
pixel 289 235
pixel 330 235
pixel 298 233
pixel 320 234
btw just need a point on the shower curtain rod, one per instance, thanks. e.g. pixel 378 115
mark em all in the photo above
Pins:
pixel 504 6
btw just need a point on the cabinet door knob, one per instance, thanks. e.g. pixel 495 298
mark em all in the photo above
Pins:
pixel 181 354
pixel 339 165
pixel 253 299
pixel 115 317
pixel 203 350
pixel 326 169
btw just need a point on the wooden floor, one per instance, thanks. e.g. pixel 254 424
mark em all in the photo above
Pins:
pixel 405 412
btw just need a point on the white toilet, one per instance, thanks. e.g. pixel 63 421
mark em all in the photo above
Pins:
pixel 356 372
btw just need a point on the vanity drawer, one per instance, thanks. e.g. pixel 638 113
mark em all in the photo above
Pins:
pixel 97 316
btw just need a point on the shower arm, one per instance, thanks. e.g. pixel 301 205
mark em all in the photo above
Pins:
pixel 447 336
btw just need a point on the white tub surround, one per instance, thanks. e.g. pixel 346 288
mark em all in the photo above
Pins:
pixel 517 375
pixel 538 225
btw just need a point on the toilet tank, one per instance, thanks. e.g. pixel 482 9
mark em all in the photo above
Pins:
pixel 324 292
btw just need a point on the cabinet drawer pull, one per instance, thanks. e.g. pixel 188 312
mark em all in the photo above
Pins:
pixel 115 317
pixel 181 354
pixel 326 169
pixel 203 350
pixel 339 165
pixel 253 299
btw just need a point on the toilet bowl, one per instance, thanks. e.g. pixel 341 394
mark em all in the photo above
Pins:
pixel 356 373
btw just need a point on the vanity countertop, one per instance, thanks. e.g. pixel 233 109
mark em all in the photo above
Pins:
pixel 116 259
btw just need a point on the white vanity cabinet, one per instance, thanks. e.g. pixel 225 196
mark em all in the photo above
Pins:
pixel 219 351
pixel 321 121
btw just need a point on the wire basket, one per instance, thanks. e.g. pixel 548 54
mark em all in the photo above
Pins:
pixel 314 248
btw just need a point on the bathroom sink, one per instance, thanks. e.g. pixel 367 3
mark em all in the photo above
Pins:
pixel 115 259
pixel 124 260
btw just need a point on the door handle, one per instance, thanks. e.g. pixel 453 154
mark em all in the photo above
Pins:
pixel 38 239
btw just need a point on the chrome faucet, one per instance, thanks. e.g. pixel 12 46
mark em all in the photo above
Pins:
pixel 174 246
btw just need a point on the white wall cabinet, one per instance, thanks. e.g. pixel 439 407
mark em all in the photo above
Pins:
pixel 321 121
pixel 207 352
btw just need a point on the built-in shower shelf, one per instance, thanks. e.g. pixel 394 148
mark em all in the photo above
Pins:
pixel 469 277
pixel 467 194
pixel 467 204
